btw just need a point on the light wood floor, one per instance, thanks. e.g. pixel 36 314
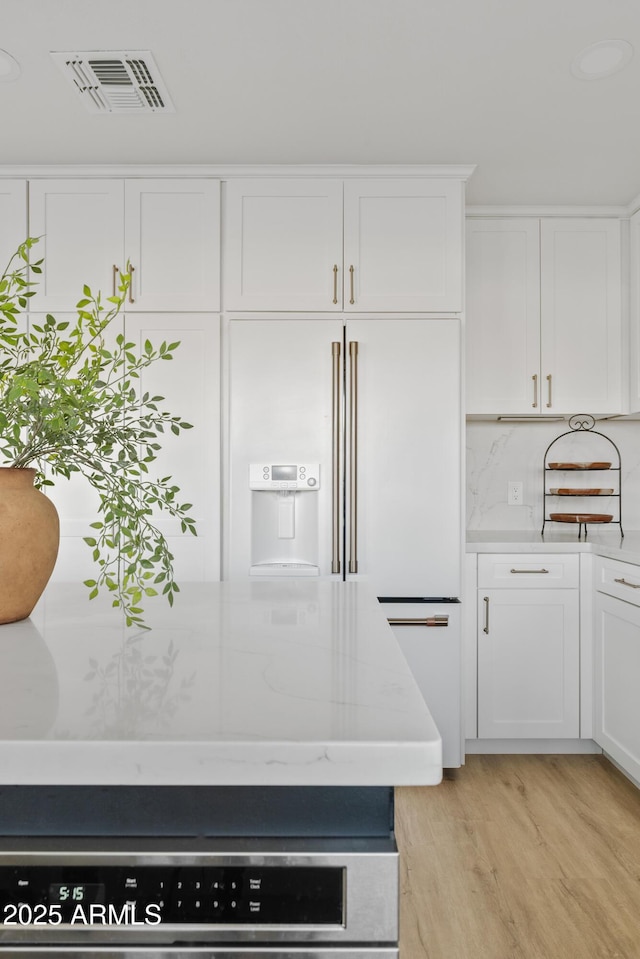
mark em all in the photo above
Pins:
pixel 521 857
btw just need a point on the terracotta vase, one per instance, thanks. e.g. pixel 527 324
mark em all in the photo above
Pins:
pixel 29 539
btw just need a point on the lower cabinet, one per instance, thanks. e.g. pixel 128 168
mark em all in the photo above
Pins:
pixel 617 663
pixel 528 646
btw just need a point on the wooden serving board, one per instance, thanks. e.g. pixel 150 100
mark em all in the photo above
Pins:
pixel 569 491
pixel 581 517
pixel 579 466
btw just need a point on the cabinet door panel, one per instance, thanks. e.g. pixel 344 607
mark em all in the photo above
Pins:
pixel 403 240
pixel 189 384
pixel 81 225
pixel 13 218
pixel 617 667
pixel 283 239
pixel 172 238
pixel 503 316
pixel 528 664
pixel 581 316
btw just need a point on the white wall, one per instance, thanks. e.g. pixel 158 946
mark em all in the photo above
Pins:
pixel 499 452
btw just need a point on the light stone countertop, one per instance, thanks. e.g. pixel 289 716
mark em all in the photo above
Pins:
pixel 599 542
pixel 277 682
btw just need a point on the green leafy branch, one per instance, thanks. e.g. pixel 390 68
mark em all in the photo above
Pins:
pixel 70 403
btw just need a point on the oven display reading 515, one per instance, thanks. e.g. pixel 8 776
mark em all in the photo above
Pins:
pixel 150 895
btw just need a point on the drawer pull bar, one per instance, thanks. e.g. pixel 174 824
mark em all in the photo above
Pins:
pixel 624 582
pixel 529 571
pixel 419 621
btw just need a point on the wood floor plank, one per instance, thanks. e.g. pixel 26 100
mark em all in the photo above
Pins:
pixel 521 857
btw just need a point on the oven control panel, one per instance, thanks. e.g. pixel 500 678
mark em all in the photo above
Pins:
pixel 152 895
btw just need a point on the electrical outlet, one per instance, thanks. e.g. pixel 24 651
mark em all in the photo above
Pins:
pixel 514 493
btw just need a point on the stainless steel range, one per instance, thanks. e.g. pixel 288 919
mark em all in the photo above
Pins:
pixel 236 898
pixel 213 895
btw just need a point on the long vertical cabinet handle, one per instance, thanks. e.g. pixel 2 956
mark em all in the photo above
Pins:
pixel 335 442
pixel 549 400
pixel 114 279
pixel 335 283
pixel 130 271
pixel 351 285
pixel 486 615
pixel 353 456
pixel 535 390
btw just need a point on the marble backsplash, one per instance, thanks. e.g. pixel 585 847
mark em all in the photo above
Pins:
pixel 500 452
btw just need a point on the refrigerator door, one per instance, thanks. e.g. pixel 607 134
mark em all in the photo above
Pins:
pixel 280 413
pixel 429 634
pixel 403 530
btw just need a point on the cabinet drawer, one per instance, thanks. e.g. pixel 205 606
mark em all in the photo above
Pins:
pixel 526 570
pixel 618 579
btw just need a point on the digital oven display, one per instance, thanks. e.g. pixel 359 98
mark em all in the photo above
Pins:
pixel 106 895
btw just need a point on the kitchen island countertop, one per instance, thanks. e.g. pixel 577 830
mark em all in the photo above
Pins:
pixel 277 682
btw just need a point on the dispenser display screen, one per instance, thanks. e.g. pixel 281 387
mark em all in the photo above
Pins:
pixel 284 473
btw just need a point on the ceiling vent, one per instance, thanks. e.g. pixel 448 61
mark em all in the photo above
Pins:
pixel 116 82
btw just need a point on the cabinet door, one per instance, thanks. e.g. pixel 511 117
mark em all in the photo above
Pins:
pixel 172 240
pixel 503 316
pixel 283 244
pixel 617 667
pixel 403 245
pixel 528 663
pixel 81 225
pixel 190 385
pixel 581 316
pixel 13 219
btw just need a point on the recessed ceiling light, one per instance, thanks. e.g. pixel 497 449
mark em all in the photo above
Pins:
pixel 601 59
pixel 9 67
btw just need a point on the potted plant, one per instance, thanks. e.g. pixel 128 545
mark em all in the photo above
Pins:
pixel 70 402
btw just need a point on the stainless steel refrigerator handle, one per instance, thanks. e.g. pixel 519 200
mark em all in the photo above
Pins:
pixel 353 456
pixel 486 615
pixel 418 621
pixel 335 443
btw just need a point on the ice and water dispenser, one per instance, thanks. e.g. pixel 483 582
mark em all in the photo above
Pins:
pixel 284 519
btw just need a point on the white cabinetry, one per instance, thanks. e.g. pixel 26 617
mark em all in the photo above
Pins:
pixel 617 662
pixel 356 245
pixel 528 646
pixel 190 387
pixel 168 230
pixel 13 218
pixel 544 319
pixel 634 321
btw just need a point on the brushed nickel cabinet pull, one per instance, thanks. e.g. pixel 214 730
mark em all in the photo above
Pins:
pixel 624 582
pixel 353 456
pixel 535 390
pixel 351 272
pixel 529 570
pixel 335 283
pixel 486 615
pixel 130 270
pixel 114 279
pixel 335 444
pixel 549 402
pixel 418 621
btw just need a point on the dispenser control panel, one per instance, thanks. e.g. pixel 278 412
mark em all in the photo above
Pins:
pixel 284 476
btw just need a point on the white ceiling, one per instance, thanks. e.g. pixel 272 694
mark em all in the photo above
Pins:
pixel 344 81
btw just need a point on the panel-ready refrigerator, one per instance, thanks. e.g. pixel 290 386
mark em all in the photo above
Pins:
pixel 344 460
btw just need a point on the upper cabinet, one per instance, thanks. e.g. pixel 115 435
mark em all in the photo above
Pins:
pixel 544 318
pixel 327 245
pixel 165 231
pixel 13 218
